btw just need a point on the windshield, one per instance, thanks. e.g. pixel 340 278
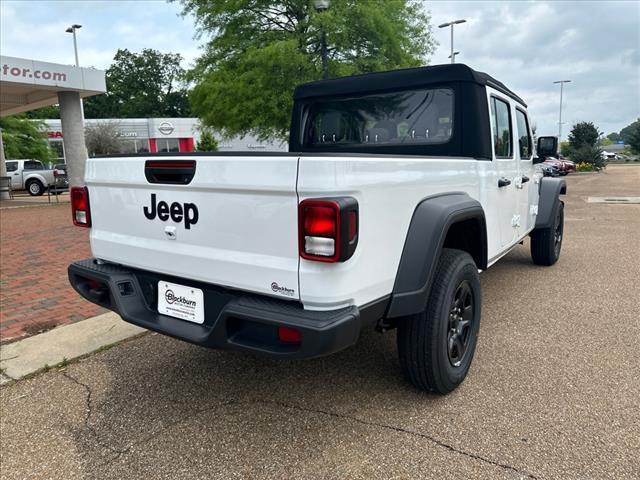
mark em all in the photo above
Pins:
pixel 408 117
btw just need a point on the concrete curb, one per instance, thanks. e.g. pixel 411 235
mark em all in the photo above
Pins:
pixel 24 357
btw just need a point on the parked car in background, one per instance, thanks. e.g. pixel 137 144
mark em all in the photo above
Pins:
pixel 29 175
pixel 60 176
pixel 549 170
pixel 564 166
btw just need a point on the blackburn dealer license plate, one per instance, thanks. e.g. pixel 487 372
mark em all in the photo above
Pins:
pixel 179 301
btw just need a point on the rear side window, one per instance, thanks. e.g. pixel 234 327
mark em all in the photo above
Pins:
pixel 501 126
pixel 398 118
pixel 33 165
pixel 524 138
pixel 12 166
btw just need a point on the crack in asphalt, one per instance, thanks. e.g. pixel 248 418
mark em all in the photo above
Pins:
pixel 434 440
pixel 87 418
pixel 342 416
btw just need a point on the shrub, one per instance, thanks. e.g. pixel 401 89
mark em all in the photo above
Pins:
pixel 589 154
pixel 584 167
pixel 207 142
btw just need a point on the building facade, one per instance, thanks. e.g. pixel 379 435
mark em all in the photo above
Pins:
pixel 142 135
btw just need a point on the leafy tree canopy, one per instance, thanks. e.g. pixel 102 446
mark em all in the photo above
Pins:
pixel 24 138
pixel 614 137
pixel 146 84
pixel 584 133
pixel 51 111
pixel 258 51
pixel 631 136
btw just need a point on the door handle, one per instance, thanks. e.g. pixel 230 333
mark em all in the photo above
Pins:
pixel 525 179
pixel 503 182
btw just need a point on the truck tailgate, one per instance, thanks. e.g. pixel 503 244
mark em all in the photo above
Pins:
pixel 234 224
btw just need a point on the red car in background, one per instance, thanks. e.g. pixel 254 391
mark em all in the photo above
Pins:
pixel 564 166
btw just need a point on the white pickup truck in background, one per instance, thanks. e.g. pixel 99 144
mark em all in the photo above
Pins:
pixel 30 175
pixel 398 188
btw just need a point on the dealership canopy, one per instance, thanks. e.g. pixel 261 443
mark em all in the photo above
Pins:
pixel 29 84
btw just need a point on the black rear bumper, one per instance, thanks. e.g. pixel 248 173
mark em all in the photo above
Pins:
pixel 232 320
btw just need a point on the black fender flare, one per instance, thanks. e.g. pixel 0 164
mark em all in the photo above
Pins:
pixel 549 197
pixel 428 229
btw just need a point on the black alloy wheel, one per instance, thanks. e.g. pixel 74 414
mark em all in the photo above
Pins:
pixel 460 322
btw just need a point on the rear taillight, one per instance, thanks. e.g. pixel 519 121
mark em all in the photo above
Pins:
pixel 55 173
pixel 80 207
pixel 328 229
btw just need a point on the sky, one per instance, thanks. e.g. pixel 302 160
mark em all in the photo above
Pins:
pixel 526 45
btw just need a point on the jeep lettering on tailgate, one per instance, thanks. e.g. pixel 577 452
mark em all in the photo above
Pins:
pixel 175 211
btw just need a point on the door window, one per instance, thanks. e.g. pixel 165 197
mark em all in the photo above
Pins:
pixel 524 138
pixel 501 126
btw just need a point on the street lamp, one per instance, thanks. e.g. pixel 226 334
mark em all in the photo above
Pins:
pixel 451 24
pixel 561 82
pixel 321 6
pixel 72 29
pixel 454 55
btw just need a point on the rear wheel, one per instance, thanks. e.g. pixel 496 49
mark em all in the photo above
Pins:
pixel 35 188
pixel 436 346
pixel 546 243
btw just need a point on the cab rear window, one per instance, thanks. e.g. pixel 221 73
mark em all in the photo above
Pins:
pixel 33 165
pixel 407 117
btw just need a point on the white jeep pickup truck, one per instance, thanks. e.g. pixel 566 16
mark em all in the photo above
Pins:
pixel 29 175
pixel 398 189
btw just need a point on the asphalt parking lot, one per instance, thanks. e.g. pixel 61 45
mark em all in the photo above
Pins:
pixel 553 391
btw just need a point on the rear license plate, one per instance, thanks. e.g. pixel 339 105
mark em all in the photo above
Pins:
pixel 179 301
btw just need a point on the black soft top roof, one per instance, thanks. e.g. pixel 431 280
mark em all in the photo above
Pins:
pixel 399 79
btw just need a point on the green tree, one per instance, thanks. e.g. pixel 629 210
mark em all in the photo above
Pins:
pixel 614 137
pixel 51 111
pixel 627 131
pixel 24 138
pixel 584 145
pixel 583 133
pixel 631 136
pixel 258 51
pixel 207 142
pixel 604 141
pixel 146 84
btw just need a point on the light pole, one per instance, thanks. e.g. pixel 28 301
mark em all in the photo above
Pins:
pixel 451 24
pixel 454 55
pixel 321 6
pixel 561 82
pixel 72 29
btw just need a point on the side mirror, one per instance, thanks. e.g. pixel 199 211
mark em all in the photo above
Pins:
pixel 547 147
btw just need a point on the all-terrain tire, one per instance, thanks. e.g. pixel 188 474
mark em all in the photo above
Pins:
pixel 424 339
pixel 546 243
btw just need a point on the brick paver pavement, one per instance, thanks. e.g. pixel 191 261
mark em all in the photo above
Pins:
pixel 36 246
